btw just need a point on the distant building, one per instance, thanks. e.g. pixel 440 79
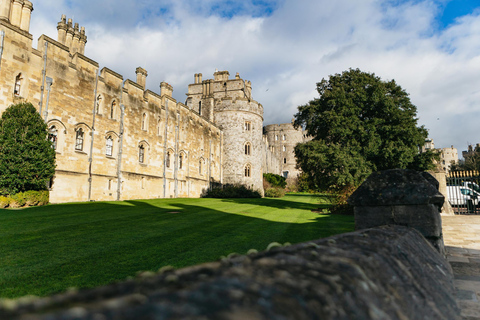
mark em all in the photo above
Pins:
pixel 447 155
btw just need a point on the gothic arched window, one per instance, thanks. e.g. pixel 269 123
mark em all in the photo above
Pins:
pixel 247 170
pixel 79 140
pixel 141 154
pixel 109 146
pixel 248 147
pixel 53 136
pixel 18 85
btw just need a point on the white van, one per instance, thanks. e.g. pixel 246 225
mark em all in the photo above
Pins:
pixel 460 196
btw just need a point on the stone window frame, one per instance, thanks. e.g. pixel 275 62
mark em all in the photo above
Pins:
pixel 248 148
pixel 248 126
pixel 17 87
pixel 115 138
pixel 144 121
pixel 276 137
pixel 248 170
pixel 80 144
pixel 79 139
pixel 113 110
pixel 168 160
pixel 284 137
pixel 61 133
pixel 284 160
pixel 109 146
pixel 143 155
pixel 99 104
pixel 53 136
pixel 200 108
pixel 284 148
pixel 182 156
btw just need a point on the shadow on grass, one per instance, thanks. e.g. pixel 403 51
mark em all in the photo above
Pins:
pixel 49 249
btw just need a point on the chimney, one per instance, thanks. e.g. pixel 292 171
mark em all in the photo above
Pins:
pixel 141 76
pixel 16 17
pixel 75 39
pixel 62 29
pixel 195 78
pixel 26 15
pixel 165 89
pixel 83 41
pixel 5 7
pixel 199 78
pixel 70 32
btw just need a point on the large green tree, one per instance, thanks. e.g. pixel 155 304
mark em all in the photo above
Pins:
pixel 27 158
pixel 359 124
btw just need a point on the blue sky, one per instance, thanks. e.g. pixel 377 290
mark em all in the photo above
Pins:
pixel 457 8
pixel 430 47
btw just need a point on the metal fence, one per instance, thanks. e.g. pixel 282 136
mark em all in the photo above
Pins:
pixel 463 190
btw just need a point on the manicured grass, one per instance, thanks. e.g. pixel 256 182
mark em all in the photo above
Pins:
pixel 50 249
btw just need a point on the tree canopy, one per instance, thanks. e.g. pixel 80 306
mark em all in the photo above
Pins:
pixel 27 158
pixel 359 124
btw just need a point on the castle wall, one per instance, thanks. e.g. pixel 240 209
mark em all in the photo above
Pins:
pixel 282 139
pixel 82 102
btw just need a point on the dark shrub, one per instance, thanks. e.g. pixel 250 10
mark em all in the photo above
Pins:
pixel 275 180
pixel 231 191
pixel 274 192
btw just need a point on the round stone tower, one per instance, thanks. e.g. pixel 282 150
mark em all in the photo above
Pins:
pixel 229 104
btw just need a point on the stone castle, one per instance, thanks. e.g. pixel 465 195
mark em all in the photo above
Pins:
pixel 115 140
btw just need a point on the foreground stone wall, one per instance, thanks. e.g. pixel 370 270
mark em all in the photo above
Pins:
pixel 382 273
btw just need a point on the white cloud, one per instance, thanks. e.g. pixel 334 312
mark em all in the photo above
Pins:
pixel 284 54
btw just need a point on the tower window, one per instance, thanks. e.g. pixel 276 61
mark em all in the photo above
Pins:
pixel 276 137
pixel 247 148
pixel 247 170
pixel 284 148
pixel 284 137
pixel 168 160
pixel 180 161
pixel 200 108
pixel 248 126
pixel 200 167
pixel 284 160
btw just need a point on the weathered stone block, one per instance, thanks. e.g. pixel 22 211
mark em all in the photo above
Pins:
pixel 400 197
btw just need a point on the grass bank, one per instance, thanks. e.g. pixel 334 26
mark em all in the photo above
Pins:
pixel 49 249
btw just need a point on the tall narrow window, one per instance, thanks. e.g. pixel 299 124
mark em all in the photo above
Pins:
pixel 248 126
pixel 180 161
pixel 276 137
pixel 79 140
pixel 284 148
pixel 247 148
pixel 109 146
pixel 144 121
pixel 112 110
pixel 284 160
pixel 168 160
pixel 159 131
pixel 247 170
pixel 52 136
pixel 18 85
pixel 99 105
pixel 200 167
pixel 284 137
pixel 141 154
pixel 200 108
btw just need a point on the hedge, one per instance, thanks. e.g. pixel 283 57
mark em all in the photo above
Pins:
pixel 24 199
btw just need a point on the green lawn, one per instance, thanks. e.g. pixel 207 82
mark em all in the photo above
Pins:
pixel 50 249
